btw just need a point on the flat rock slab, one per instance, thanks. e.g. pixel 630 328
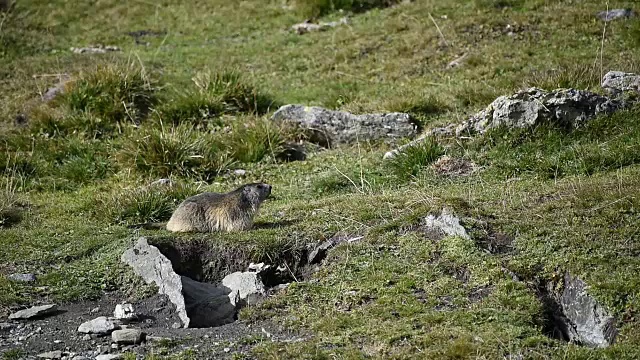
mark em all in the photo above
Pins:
pixel 34 312
pixel 100 325
pixel 51 355
pixel 128 336
pixel 329 127
pixel 22 277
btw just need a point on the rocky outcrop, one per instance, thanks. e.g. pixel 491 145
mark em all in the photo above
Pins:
pixel 565 107
pixel 197 304
pixel 617 82
pixel 329 127
pixel 308 26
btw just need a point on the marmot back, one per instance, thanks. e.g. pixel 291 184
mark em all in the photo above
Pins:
pixel 209 212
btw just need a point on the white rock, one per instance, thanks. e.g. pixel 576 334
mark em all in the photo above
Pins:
pixel 99 325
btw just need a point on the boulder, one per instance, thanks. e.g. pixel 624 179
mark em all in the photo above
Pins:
pixel 197 304
pixel 565 107
pixel 125 312
pixel 329 127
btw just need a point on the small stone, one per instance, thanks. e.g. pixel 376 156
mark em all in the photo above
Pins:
pixel 109 357
pixel 162 182
pixel 176 325
pixel 22 277
pixel 51 355
pixel 114 346
pixel 239 172
pixel 227 350
pixel 128 336
pixel 95 310
pixel 86 337
pixel 100 325
pixel 57 341
pixel 125 312
pixel 33 312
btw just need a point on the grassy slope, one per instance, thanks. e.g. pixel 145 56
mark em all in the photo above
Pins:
pixel 572 207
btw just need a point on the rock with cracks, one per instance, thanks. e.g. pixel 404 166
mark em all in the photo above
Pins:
pixel 564 107
pixel 589 323
pixel 197 304
pixel 616 82
pixel 329 127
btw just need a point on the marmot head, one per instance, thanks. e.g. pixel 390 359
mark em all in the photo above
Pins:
pixel 256 193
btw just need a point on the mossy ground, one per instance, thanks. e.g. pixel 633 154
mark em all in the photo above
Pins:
pixel 77 172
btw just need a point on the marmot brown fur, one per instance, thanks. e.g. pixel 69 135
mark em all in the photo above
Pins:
pixel 209 212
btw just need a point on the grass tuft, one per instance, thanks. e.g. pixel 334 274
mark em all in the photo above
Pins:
pixel 412 160
pixel 112 94
pixel 147 204
pixel 179 151
pixel 575 77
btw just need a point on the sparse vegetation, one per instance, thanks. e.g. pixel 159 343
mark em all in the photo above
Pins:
pixel 410 162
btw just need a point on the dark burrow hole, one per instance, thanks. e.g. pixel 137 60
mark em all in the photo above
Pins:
pixel 555 325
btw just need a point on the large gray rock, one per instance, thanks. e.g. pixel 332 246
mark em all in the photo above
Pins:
pixel 197 304
pixel 616 82
pixel 565 107
pixel 329 127
pixel 589 323
pixel 34 312
pixel 100 325
pixel 246 287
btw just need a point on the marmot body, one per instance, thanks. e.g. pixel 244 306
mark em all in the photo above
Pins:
pixel 209 212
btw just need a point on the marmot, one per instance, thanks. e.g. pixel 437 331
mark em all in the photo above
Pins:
pixel 208 212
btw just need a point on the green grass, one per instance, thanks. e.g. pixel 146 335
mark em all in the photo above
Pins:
pixel 195 103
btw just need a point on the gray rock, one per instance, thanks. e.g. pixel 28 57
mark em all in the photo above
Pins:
pixel 56 90
pixel 565 107
pixel 447 223
pixel 125 312
pixel 197 304
pixel 592 325
pixel 162 182
pixel 308 26
pixel 246 287
pixel 109 357
pixel 329 127
pixel 87 337
pixel 94 49
pixel 616 82
pixel 22 277
pixel 128 336
pixel 100 325
pixel 240 172
pixel 34 312
pixel 320 252
pixel 51 355
pixel 615 14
